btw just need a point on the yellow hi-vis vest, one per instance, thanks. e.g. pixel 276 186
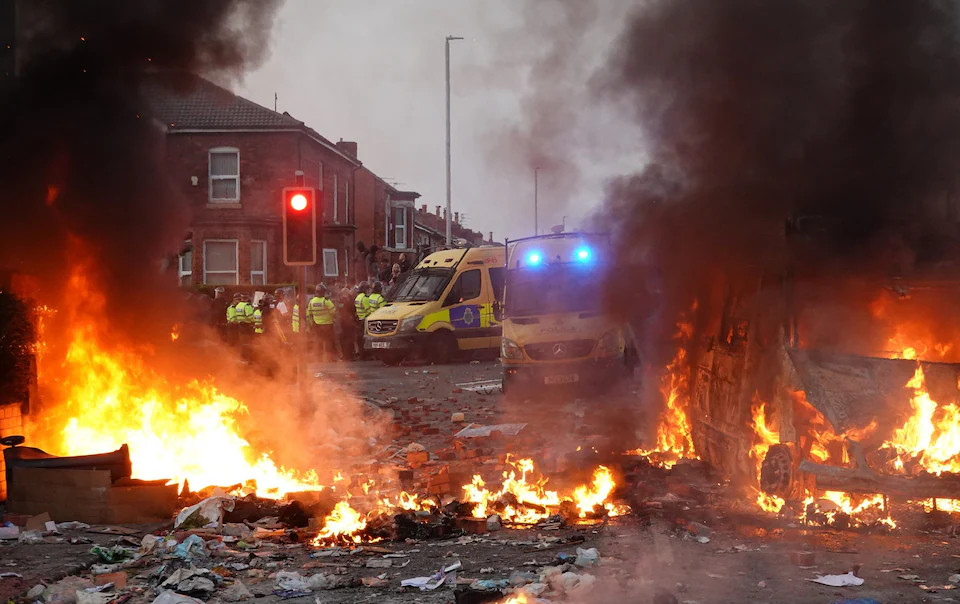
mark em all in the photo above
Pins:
pixel 296 318
pixel 363 308
pixel 321 310
pixel 232 314
pixel 258 321
pixel 374 301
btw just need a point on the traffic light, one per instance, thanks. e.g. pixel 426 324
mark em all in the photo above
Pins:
pixel 299 226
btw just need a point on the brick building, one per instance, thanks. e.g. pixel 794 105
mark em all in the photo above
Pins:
pixel 430 230
pixel 231 158
pixel 385 218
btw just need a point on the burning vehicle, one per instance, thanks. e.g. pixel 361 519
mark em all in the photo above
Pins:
pixel 811 382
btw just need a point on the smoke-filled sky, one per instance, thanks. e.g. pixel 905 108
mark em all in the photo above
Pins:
pixel 373 72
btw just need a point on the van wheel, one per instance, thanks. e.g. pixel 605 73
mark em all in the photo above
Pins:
pixel 442 347
pixel 776 471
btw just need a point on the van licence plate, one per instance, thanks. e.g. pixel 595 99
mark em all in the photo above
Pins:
pixel 380 345
pixel 569 378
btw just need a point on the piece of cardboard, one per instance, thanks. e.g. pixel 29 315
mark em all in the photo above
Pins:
pixel 38 522
pixel 87 496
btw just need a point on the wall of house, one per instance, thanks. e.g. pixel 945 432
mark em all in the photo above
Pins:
pixel 268 162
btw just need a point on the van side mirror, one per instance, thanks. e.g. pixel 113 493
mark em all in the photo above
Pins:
pixel 497 310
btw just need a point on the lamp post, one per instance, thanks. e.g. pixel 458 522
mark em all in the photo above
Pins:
pixel 536 192
pixel 447 55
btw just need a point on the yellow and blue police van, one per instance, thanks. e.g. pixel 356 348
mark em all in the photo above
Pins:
pixel 448 304
pixel 555 329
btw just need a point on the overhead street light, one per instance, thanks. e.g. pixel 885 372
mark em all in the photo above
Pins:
pixel 449 211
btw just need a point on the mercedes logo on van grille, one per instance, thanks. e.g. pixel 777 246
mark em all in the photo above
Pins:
pixel 559 350
pixel 379 326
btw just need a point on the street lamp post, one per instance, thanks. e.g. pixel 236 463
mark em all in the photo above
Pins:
pixel 536 191
pixel 449 211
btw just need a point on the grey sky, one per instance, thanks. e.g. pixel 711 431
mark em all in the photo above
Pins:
pixel 372 71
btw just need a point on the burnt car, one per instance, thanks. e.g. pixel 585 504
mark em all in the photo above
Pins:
pixel 856 377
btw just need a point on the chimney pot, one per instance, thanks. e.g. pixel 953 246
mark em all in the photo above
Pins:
pixel 438 211
pixel 423 208
pixel 348 147
pixel 491 237
pixel 456 217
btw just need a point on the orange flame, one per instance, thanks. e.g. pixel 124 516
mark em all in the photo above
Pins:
pixel 674 432
pixel 175 431
pixel 931 436
pixel 540 503
pixel 343 523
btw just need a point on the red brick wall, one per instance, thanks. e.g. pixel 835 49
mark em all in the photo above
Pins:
pixel 11 422
pixel 268 161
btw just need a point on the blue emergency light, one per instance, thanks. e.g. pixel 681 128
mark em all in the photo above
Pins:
pixel 583 254
pixel 534 258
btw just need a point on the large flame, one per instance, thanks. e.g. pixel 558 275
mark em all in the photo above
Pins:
pixel 764 438
pixel 674 431
pixel 528 501
pixel 109 397
pixel 930 438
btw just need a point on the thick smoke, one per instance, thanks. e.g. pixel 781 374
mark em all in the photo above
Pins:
pixel 756 113
pixel 81 161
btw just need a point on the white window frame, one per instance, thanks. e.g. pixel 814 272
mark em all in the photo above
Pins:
pixel 346 262
pixel 387 218
pixel 336 265
pixel 236 256
pixel 211 177
pixel 403 227
pixel 346 201
pixel 336 199
pixel 185 271
pixel 264 271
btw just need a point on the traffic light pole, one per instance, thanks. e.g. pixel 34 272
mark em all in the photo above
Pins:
pixel 302 349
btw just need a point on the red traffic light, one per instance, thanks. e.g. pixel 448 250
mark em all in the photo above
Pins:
pixel 299 226
pixel 298 201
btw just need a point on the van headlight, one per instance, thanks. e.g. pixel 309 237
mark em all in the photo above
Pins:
pixel 409 325
pixel 610 344
pixel 510 349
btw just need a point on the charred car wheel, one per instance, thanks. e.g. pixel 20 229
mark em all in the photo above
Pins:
pixel 776 471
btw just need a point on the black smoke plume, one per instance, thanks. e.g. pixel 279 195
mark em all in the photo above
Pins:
pixel 81 162
pixel 762 116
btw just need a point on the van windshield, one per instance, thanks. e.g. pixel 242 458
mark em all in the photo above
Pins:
pixel 422 285
pixel 552 290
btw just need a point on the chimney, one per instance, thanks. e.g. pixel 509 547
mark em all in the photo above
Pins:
pixel 348 147
pixel 423 209
pixel 491 237
pixel 438 211
pixel 456 217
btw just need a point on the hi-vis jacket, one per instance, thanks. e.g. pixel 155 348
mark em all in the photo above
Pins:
pixel 362 304
pixel 321 310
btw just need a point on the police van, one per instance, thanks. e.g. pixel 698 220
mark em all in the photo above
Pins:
pixel 555 330
pixel 448 304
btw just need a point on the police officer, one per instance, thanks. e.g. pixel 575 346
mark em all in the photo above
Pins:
pixel 375 299
pixel 361 303
pixel 233 325
pixel 320 314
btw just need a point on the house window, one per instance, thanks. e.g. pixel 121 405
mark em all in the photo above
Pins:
pixel 224 174
pixel 330 268
pixel 258 262
pixel 336 199
pixel 220 262
pixel 185 267
pixel 400 227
